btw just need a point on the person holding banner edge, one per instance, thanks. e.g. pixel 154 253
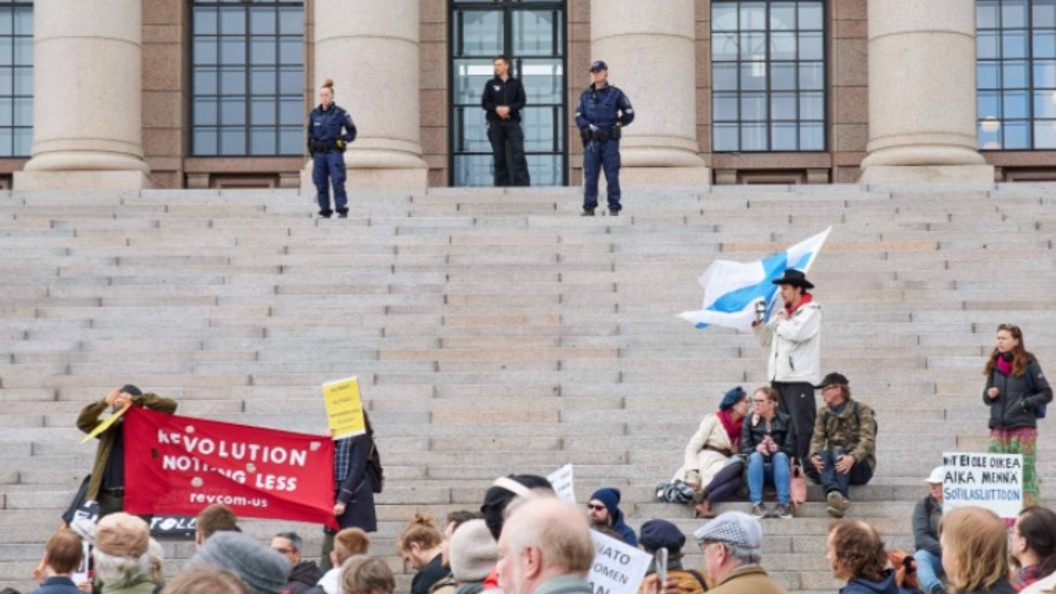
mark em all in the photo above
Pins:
pixel 1016 392
pixel 107 482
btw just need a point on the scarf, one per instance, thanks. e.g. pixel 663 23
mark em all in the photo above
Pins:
pixel 805 299
pixel 1003 366
pixel 733 429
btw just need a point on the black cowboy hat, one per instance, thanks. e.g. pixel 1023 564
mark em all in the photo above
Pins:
pixel 796 278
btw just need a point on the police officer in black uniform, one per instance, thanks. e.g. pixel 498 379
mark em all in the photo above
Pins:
pixel 326 144
pixel 603 111
pixel 503 100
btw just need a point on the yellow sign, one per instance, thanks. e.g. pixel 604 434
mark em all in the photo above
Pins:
pixel 106 424
pixel 344 408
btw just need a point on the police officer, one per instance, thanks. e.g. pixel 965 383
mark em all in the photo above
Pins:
pixel 603 110
pixel 327 146
pixel 503 100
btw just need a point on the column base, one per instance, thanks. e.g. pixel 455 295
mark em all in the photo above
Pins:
pixel 82 180
pixel 664 176
pixel 934 174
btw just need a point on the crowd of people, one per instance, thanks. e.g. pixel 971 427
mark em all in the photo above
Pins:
pixel 525 540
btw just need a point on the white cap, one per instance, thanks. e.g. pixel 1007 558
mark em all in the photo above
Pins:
pixel 935 478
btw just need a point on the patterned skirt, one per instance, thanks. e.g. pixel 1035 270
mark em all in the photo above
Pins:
pixel 1020 440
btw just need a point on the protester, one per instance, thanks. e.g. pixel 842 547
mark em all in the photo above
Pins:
pixel 769 440
pixel 711 468
pixel 732 545
pixel 214 518
pixel 474 554
pixel 263 570
pixel 975 552
pixel 855 553
pixel 419 545
pixel 347 543
pixel 1015 389
pixel 303 573
pixel 927 515
pixel 449 584
pixel 62 557
pixel 354 488
pixel 843 448
pixel 545 548
pixel 503 491
pixel 107 483
pixel 365 575
pixel 661 534
pixel 793 336
pixel 205 580
pixel 603 509
pixel 122 564
pixel 1034 545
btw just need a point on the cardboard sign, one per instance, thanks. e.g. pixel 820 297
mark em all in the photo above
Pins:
pixel 344 408
pixel 993 481
pixel 561 481
pixel 106 424
pixel 618 568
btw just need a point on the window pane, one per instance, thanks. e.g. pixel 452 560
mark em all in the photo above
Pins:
pixel 753 106
pixel 724 77
pixel 1045 73
pixel 263 141
pixel 811 137
pixel 232 50
pixel 725 106
pixel 811 106
pixel 1017 135
pixel 986 44
pixel 23 142
pixel 1045 44
pixel 24 21
pixel 24 50
pixel 1044 14
pixel 7 51
pixel 538 126
pixel 812 76
pixel 204 141
pixel 7 111
pixel 206 112
pixel 783 46
pixel 7 81
pixel 987 75
pixel 481 33
pixel 291 80
pixel 1045 134
pixel 726 137
pixel 782 16
pixel 1015 75
pixel 782 76
pixel 232 21
pixel 986 14
pixel 233 81
pixel 262 112
pixel 7 141
pixel 205 81
pixel 471 75
pixel 1014 14
pixel 232 141
pixel 291 22
pixel 262 21
pixel 533 32
pixel 753 46
pixel 291 141
pixel 291 51
pixel 1016 104
pixel 753 137
pixel 724 46
pixel 783 106
pixel 541 80
pixel 291 112
pixel 989 104
pixel 753 16
pixel 723 16
pixel 233 112
pixel 263 51
pixel 753 76
pixel 205 50
pixel 206 21
pixel 783 137
pixel 263 81
pixel 810 16
pixel 1045 104
pixel 23 112
pixel 1014 44
pixel 811 46
pixel 990 134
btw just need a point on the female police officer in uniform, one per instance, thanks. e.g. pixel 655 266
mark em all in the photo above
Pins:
pixel 327 145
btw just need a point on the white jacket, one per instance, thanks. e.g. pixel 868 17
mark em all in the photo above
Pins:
pixel 795 345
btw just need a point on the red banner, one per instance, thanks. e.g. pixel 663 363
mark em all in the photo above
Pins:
pixel 179 465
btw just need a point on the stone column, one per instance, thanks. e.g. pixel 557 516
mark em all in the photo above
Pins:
pixel 87 107
pixel 922 94
pixel 649 47
pixel 371 51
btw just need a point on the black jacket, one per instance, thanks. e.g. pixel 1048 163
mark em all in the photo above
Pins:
pixel 1018 397
pixel 926 517
pixel 303 576
pixel 510 93
pixel 356 491
pixel 780 430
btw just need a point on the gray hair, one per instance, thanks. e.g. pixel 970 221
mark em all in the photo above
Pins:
pixel 121 572
pixel 743 555
pixel 295 539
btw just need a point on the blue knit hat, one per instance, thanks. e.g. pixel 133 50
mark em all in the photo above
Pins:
pixel 610 496
pixel 731 398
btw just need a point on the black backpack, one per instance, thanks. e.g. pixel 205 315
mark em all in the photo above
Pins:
pixel 374 469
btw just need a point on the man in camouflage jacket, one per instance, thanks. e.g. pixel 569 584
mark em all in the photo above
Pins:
pixel 843 448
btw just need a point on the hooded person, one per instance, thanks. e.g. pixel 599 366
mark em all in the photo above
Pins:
pixel 604 510
pixel 263 570
pixel 474 554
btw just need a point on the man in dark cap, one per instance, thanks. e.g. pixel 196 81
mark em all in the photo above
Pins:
pixel 843 447
pixel 602 113
pixel 498 497
pixel 603 509
pixel 107 483
pixel 661 534
pixel 793 335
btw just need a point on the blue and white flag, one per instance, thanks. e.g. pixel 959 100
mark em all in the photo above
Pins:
pixel 732 289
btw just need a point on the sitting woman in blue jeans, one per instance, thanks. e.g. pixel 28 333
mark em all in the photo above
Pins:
pixel 769 441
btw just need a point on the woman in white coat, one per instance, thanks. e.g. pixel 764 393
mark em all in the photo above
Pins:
pixel 712 467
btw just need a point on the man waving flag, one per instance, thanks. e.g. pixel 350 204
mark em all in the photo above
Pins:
pixel 732 289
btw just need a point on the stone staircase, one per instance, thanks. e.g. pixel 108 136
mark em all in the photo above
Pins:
pixel 500 332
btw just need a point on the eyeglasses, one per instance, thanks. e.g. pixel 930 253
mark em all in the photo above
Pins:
pixel 760 400
pixel 595 506
pixel 831 387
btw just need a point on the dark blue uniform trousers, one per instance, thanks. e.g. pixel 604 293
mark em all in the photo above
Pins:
pixel 327 168
pixel 598 156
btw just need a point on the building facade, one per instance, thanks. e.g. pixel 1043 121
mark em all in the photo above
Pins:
pixel 214 93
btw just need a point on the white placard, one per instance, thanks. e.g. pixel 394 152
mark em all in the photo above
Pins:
pixel 618 568
pixel 993 481
pixel 561 481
